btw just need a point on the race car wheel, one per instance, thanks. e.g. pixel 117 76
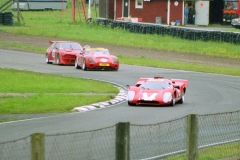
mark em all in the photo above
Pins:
pixel 84 67
pixel 47 60
pixel 181 100
pixel 58 60
pixel 131 104
pixel 76 64
pixel 173 102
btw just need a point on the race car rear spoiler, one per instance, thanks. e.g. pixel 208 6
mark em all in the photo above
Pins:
pixel 51 41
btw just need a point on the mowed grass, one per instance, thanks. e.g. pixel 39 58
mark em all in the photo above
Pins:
pixel 56 24
pixel 228 151
pixel 30 92
pixel 49 23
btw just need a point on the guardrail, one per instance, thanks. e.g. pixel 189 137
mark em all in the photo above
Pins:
pixel 192 135
pixel 175 31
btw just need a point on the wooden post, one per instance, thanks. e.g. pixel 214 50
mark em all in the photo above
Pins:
pixel 122 141
pixel 192 137
pixel 73 10
pixel 37 146
pixel 18 12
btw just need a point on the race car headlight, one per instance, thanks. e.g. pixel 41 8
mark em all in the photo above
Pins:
pixel 130 95
pixel 91 60
pixel 115 60
pixel 167 97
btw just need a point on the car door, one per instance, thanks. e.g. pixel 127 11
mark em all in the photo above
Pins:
pixel 55 50
pixel 50 50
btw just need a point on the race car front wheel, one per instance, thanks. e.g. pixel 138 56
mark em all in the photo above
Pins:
pixel 58 60
pixel 173 102
pixel 47 59
pixel 84 67
pixel 131 104
pixel 76 64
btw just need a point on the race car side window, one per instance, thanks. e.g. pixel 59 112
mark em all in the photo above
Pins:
pixel 76 46
pixel 52 45
pixel 56 45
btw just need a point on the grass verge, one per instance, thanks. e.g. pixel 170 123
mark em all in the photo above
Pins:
pixel 30 92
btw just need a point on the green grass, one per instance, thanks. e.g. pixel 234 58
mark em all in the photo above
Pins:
pixel 47 103
pixel 55 24
pixel 142 61
pixel 228 151
pixel 30 92
pixel 50 98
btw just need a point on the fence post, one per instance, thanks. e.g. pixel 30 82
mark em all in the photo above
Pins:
pixel 192 137
pixel 122 140
pixel 37 146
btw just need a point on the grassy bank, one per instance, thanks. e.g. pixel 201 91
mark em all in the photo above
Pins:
pixel 30 92
pixel 56 24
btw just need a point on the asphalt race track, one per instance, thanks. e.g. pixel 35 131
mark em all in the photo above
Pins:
pixel 206 94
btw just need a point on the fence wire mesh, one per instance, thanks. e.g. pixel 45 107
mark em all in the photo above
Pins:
pixel 96 144
pixel 218 135
pixel 157 140
pixel 220 132
pixel 16 150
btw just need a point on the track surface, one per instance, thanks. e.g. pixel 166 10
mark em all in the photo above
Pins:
pixel 206 94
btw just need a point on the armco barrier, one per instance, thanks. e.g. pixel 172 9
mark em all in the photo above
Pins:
pixel 175 31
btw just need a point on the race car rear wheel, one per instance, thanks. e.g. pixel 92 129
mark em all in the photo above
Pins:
pixel 47 59
pixel 58 60
pixel 76 64
pixel 84 67
pixel 181 100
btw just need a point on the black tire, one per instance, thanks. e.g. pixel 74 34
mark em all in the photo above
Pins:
pixel 76 64
pixel 84 67
pixel 47 59
pixel 173 102
pixel 131 104
pixel 181 100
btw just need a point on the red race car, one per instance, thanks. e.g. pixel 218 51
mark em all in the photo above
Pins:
pixel 63 52
pixel 157 91
pixel 96 59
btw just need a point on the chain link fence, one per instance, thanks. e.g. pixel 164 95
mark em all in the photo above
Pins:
pixel 218 135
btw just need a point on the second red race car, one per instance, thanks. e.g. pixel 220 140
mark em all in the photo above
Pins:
pixel 63 52
pixel 96 59
pixel 157 91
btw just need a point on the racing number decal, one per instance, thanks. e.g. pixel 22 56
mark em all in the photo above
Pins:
pixel 149 98
pixel 53 53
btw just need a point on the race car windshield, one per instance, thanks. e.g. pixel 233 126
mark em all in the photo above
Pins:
pixel 98 52
pixel 70 46
pixel 154 85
